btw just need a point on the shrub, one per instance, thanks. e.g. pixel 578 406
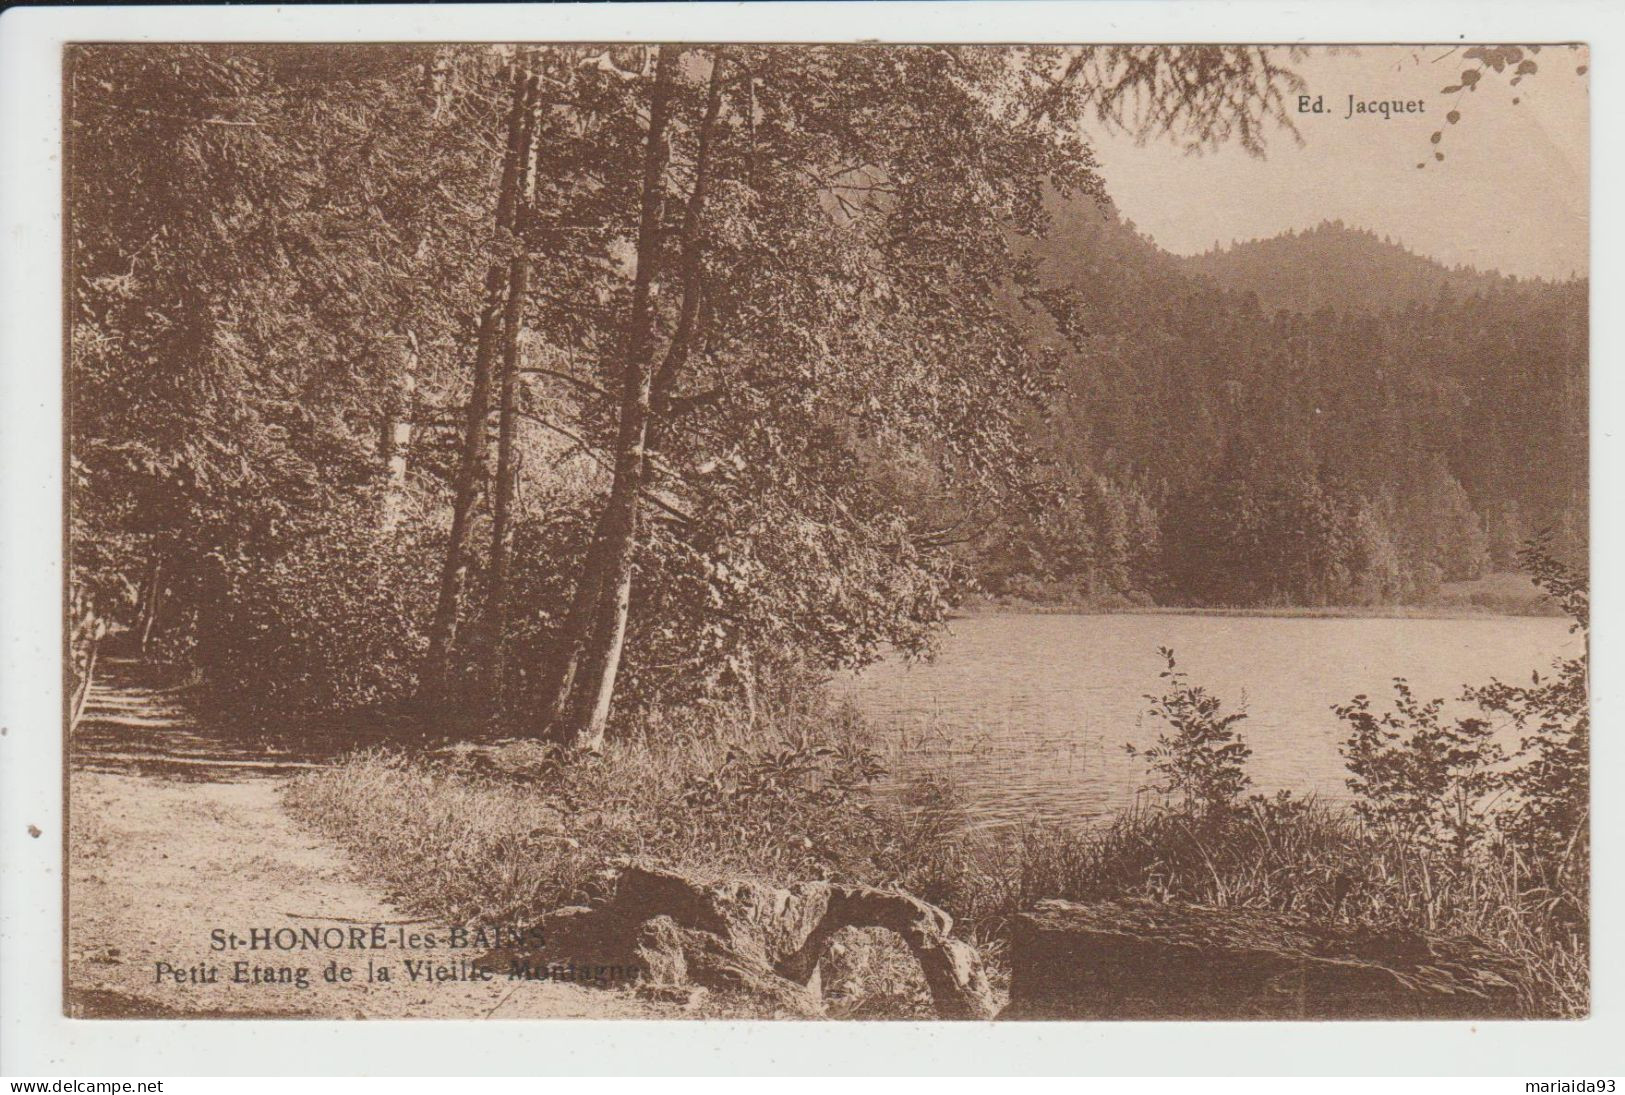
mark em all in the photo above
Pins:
pixel 1202 761
pixel 1448 784
pixel 331 625
pixel 1418 774
pixel 1548 813
pixel 804 805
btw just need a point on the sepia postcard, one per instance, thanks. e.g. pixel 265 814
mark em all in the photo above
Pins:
pixel 825 531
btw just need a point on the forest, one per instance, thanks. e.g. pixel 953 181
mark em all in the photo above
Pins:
pixel 376 396
pixel 1321 418
pixel 346 384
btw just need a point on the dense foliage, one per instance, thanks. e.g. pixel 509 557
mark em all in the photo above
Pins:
pixel 249 234
pixel 442 373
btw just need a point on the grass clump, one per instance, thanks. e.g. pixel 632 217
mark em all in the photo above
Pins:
pixel 1322 862
pixel 504 833
pixel 511 829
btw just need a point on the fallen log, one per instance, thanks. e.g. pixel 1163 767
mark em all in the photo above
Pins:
pixel 1139 959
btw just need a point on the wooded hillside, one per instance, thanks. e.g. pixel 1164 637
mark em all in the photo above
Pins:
pixel 1322 417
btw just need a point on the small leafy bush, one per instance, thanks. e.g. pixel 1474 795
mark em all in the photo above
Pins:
pixel 1448 783
pixel 1547 817
pixel 1418 774
pixel 1200 758
pixel 805 805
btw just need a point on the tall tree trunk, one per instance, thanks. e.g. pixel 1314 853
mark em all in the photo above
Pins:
pixel 686 335
pixel 151 600
pixel 599 655
pixel 506 482
pixel 596 688
pixel 559 684
pixel 471 464
pixel 395 434
pixel 507 474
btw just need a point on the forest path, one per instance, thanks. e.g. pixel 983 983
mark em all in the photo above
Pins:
pixel 167 847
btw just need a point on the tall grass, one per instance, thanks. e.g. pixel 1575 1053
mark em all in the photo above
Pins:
pixel 1326 864
pixel 504 834
pixel 512 829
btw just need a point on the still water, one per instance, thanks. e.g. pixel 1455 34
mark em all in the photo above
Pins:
pixel 1029 714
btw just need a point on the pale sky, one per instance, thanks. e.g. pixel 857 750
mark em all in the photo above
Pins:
pixel 1511 194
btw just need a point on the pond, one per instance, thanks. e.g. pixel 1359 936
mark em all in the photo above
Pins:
pixel 1029 714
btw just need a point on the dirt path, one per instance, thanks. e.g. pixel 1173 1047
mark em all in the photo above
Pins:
pixel 165 851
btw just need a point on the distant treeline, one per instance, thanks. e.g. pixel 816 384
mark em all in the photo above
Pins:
pixel 1205 450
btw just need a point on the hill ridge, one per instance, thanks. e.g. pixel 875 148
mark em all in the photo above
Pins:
pixel 1343 266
